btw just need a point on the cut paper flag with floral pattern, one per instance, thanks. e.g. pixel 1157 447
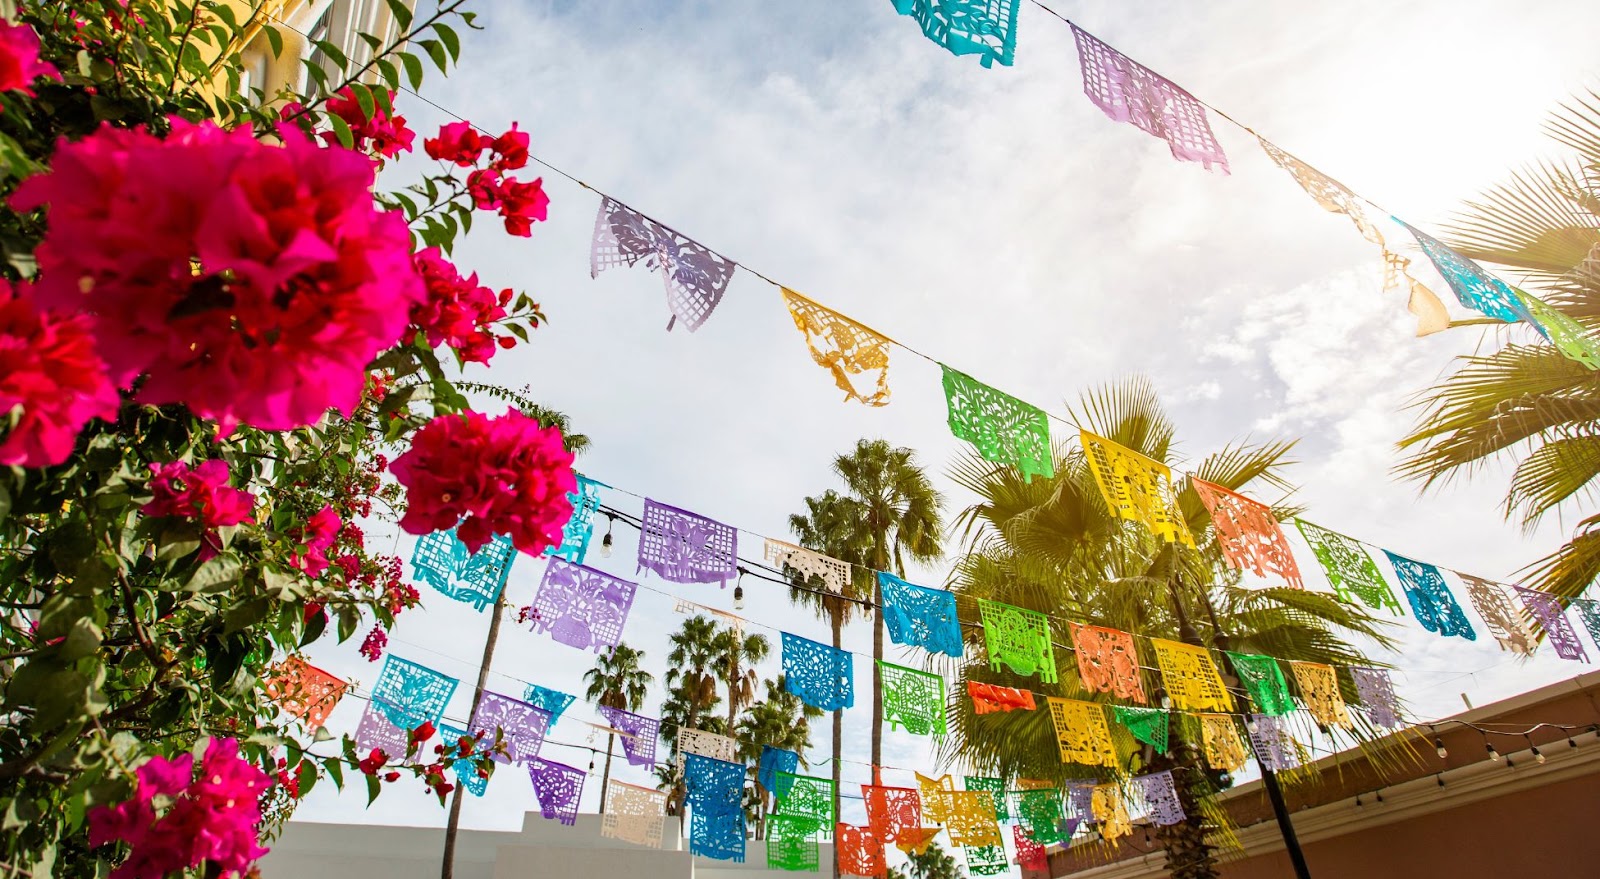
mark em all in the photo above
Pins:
pixel 986 860
pixel 989 699
pixel 790 846
pixel 520 726
pixel 640 734
pixel 1474 287
pixel 935 805
pixel 1336 197
pixel 695 277
pixel 1039 812
pixel 550 700
pixel 558 788
pixel 1019 639
pixel 1128 91
pixel 581 607
pixel 1263 679
pixel 1275 748
pixel 1111 813
pixel 1431 602
pixel 1191 677
pixel 834 574
pixel 1569 336
pixel 706 744
pixel 1224 749
pixel 712 785
pixel 806 800
pixel 969 819
pixel 1107 661
pixel 466 772
pixel 1319 689
pixel 718 835
pixel 1350 569
pixel 1248 533
pixel 634 814
pixel 1137 488
pixel 576 533
pixel 1001 427
pixel 410 694
pixel 442 561
pixel 919 616
pixel 684 547
pixel 1589 611
pixel 843 347
pixel 996 787
pixel 1552 617
pixel 1030 852
pixel 773 762
pixel 1160 797
pixel 1148 725
pixel 376 732
pixel 1510 630
pixel 986 28
pixel 1082 735
pixel 822 676
pixel 860 851
pixel 895 816
pixel 304 691
pixel 912 699
pixel 1376 692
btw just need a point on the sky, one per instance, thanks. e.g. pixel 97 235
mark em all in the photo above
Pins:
pixel 999 222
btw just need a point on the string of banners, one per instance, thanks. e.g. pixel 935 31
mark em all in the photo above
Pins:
pixel 587 609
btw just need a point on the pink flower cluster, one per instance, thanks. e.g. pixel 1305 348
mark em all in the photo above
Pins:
pixel 251 282
pixel 372 645
pixel 318 536
pixel 520 204
pixel 48 368
pixel 486 476
pixel 19 58
pixel 459 312
pixel 201 494
pixel 211 820
pixel 384 134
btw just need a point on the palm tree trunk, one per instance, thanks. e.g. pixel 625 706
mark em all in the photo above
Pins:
pixel 1189 855
pixel 880 553
pixel 448 867
pixel 836 623
pixel 733 688
pixel 605 777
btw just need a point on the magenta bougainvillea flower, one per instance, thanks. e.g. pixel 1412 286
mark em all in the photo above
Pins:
pixel 201 494
pixel 48 369
pixel 458 142
pixel 485 476
pixel 212 819
pixel 384 134
pixel 19 58
pixel 251 282
pixel 319 535
pixel 459 312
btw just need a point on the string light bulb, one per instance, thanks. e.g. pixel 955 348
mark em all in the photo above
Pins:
pixel 1440 778
pixel 605 543
pixel 1359 804
pixel 1379 795
pixel 1438 748
pixel 1571 743
pixel 1493 754
pixel 1538 757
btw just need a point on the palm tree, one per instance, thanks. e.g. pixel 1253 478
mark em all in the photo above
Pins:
pixel 1527 403
pixel 1053 544
pixel 899 514
pixel 617 681
pixel 737 653
pixel 779 719
pixel 831 525
pixel 934 862
pixel 691 692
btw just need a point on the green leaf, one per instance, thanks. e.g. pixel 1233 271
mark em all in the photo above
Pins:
pixel 436 51
pixel 316 74
pixel 374 787
pixel 373 43
pixel 363 99
pixel 332 52
pixel 274 39
pixel 414 69
pixel 341 130
pixel 335 771
pixel 307 776
pixel 452 40
pixel 82 639
pixel 5 501
pixel 389 72
pixel 314 628
pixel 216 575
pixel 401 13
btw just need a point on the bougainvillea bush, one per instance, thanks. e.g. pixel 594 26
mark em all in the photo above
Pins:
pixel 223 350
